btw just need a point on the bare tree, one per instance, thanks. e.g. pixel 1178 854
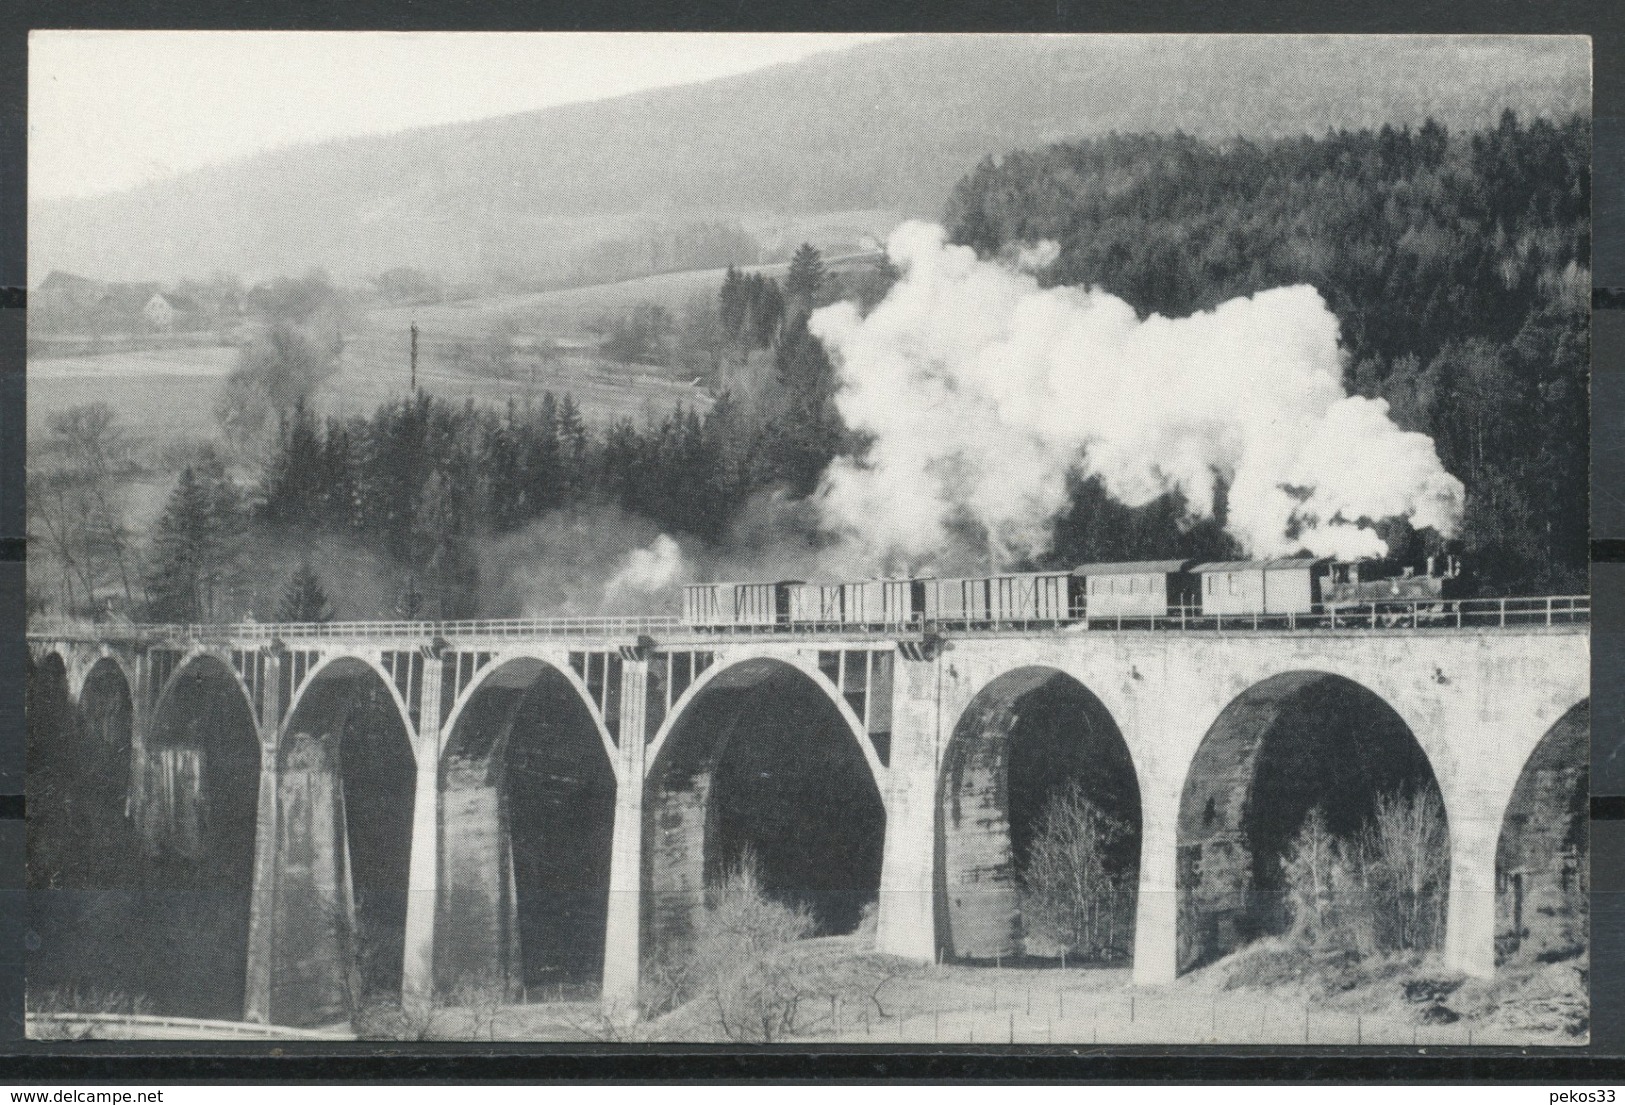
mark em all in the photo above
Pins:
pixel 1382 890
pixel 1404 853
pixel 1313 867
pixel 77 486
pixel 1073 894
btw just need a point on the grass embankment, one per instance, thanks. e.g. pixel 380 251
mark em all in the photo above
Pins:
pixel 1543 996
pixel 1266 993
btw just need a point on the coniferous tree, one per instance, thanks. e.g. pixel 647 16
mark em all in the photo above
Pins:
pixel 573 442
pixel 198 547
pixel 545 487
pixel 294 484
pixel 339 465
pixel 766 311
pixel 734 303
pixel 304 599
pixel 804 369
pixel 806 277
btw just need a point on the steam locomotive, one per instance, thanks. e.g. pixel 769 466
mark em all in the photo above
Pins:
pixel 1134 590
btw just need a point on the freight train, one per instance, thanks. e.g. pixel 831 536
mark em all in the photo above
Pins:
pixel 1136 590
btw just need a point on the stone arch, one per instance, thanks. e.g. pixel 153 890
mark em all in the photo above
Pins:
pixel 87 662
pixel 1542 854
pixel 214 658
pixel 1035 742
pixel 106 703
pixel 105 746
pixel 41 652
pixel 1286 746
pixel 528 783
pixel 48 704
pixel 48 673
pixel 505 663
pixel 760 756
pixel 84 859
pixel 348 663
pixel 715 672
pixel 346 785
pixel 198 804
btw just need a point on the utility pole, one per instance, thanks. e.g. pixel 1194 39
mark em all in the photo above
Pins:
pixel 414 358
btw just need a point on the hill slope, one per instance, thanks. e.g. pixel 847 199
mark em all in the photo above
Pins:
pixel 883 130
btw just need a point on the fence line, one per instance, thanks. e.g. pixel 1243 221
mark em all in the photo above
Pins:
pixel 1011 1015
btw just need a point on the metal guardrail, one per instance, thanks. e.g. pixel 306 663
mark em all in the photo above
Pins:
pixel 1500 613
pixel 103 1026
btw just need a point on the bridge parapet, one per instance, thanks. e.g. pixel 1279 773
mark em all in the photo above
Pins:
pixel 1553 611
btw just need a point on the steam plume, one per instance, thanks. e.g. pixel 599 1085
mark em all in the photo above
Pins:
pixel 982 392
pixel 648 571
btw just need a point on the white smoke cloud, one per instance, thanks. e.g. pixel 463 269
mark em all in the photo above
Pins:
pixel 983 391
pixel 1038 256
pixel 660 567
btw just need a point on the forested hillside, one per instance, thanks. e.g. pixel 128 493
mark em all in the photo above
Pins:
pixel 1457 264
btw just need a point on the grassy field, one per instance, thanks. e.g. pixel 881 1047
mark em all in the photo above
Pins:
pixel 566 313
pixel 563 313
pixel 160 395
pixel 169 394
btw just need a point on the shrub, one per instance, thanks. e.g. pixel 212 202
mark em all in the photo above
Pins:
pixel 735 966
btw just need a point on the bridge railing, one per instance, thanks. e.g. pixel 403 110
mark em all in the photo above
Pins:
pixel 1498 613
pixel 286 631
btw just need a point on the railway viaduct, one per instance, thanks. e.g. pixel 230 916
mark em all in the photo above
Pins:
pixel 537 808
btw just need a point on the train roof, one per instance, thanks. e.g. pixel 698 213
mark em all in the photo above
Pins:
pixel 1132 568
pixel 1279 564
pixel 744 583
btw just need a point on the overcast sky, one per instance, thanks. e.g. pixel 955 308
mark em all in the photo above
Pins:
pixel 110 109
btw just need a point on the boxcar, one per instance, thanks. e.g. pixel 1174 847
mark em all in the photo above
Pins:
pixel 1015 597
pixel 715 605
pixel 1285 586
pixel 763 603
pixel 869 602
pixel 1031 597
pixel 1138 589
